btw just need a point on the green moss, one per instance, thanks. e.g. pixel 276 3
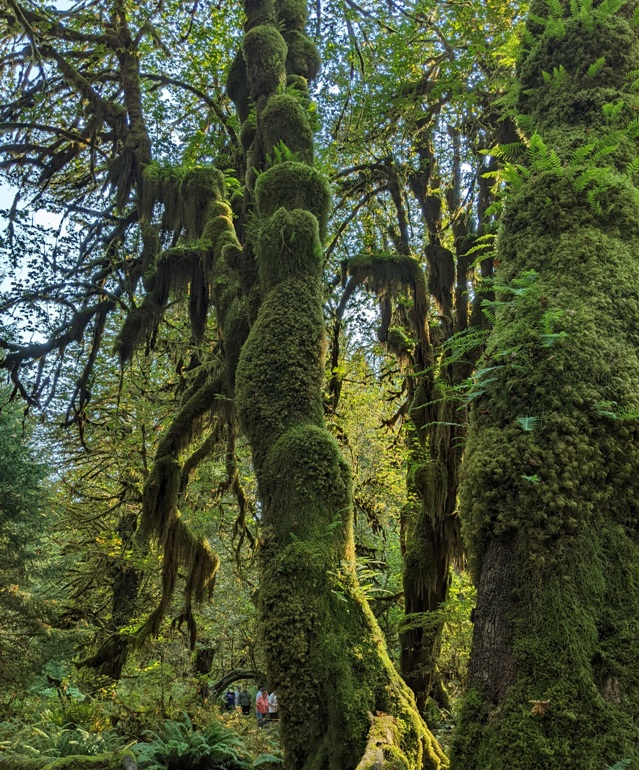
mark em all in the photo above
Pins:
pixel 284 120
pixel 303 57
pixel 292 14
pixel 560 493
pixel 293 185
pixel 265 55
pixel 216 227
pixel 383 273
pixel 280 371
pixel 247 134
pixel 77 762
pixel 259 12
pixel 199 187
pixel 289 243
pixel 326 654
pixel 237 86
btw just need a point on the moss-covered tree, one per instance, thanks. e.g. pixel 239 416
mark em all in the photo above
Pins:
pixel 326 655
pixel 550 488
pixel 418 205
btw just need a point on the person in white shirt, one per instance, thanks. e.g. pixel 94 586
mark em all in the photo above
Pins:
pixel 273 708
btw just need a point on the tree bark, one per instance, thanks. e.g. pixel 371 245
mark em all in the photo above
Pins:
pixel 550 488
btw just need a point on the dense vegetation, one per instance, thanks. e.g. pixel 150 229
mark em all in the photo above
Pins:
pixel 319 324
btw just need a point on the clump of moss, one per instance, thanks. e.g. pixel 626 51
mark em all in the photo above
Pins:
pixel 259 12
pixel 199 187
pixel 265 56
pixel 298 85
pixel 284 120
pixel 293 185
pixel 289 243
pixel 292 14
pixel 303 57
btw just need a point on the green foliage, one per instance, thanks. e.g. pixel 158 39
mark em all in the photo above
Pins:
pixel 47 739
pixel 181 746
pixel 528 423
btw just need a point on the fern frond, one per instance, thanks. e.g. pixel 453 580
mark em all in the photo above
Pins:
pixel 596 66
pixel 528 423
pixel 555 9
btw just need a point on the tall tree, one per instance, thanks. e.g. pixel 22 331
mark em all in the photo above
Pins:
pixel 414 220
pixel 550 489
pixel 325 652
pixel 249 254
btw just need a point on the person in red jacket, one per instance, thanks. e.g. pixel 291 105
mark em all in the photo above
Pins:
pixel 261 705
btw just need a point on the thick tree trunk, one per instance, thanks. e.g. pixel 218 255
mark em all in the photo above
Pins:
pixel 326 654
pixel 550 484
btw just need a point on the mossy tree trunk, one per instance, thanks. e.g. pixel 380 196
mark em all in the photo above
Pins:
pixel 550 484
pixel 326 655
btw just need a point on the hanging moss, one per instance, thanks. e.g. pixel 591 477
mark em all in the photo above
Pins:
pixel 293 185
pixel 285 121
pixel 302 57
pixel 389 272
pixel 199 187
pixel 265 55
pixel 140 324
pixel 292 14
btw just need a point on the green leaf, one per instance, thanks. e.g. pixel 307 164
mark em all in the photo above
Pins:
pixel 528 423
pixel 596 66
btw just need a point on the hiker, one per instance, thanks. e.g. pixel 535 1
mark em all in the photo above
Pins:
pixel 261 706
pixel 229 701
pixel 244 700
pixel 273 708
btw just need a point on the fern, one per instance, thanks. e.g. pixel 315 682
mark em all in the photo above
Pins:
pixel 555 9
pixel 622 765
pixel 180 746
pixel 612 110
pixel 265 759
pixel 596 66
pixel 528 424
